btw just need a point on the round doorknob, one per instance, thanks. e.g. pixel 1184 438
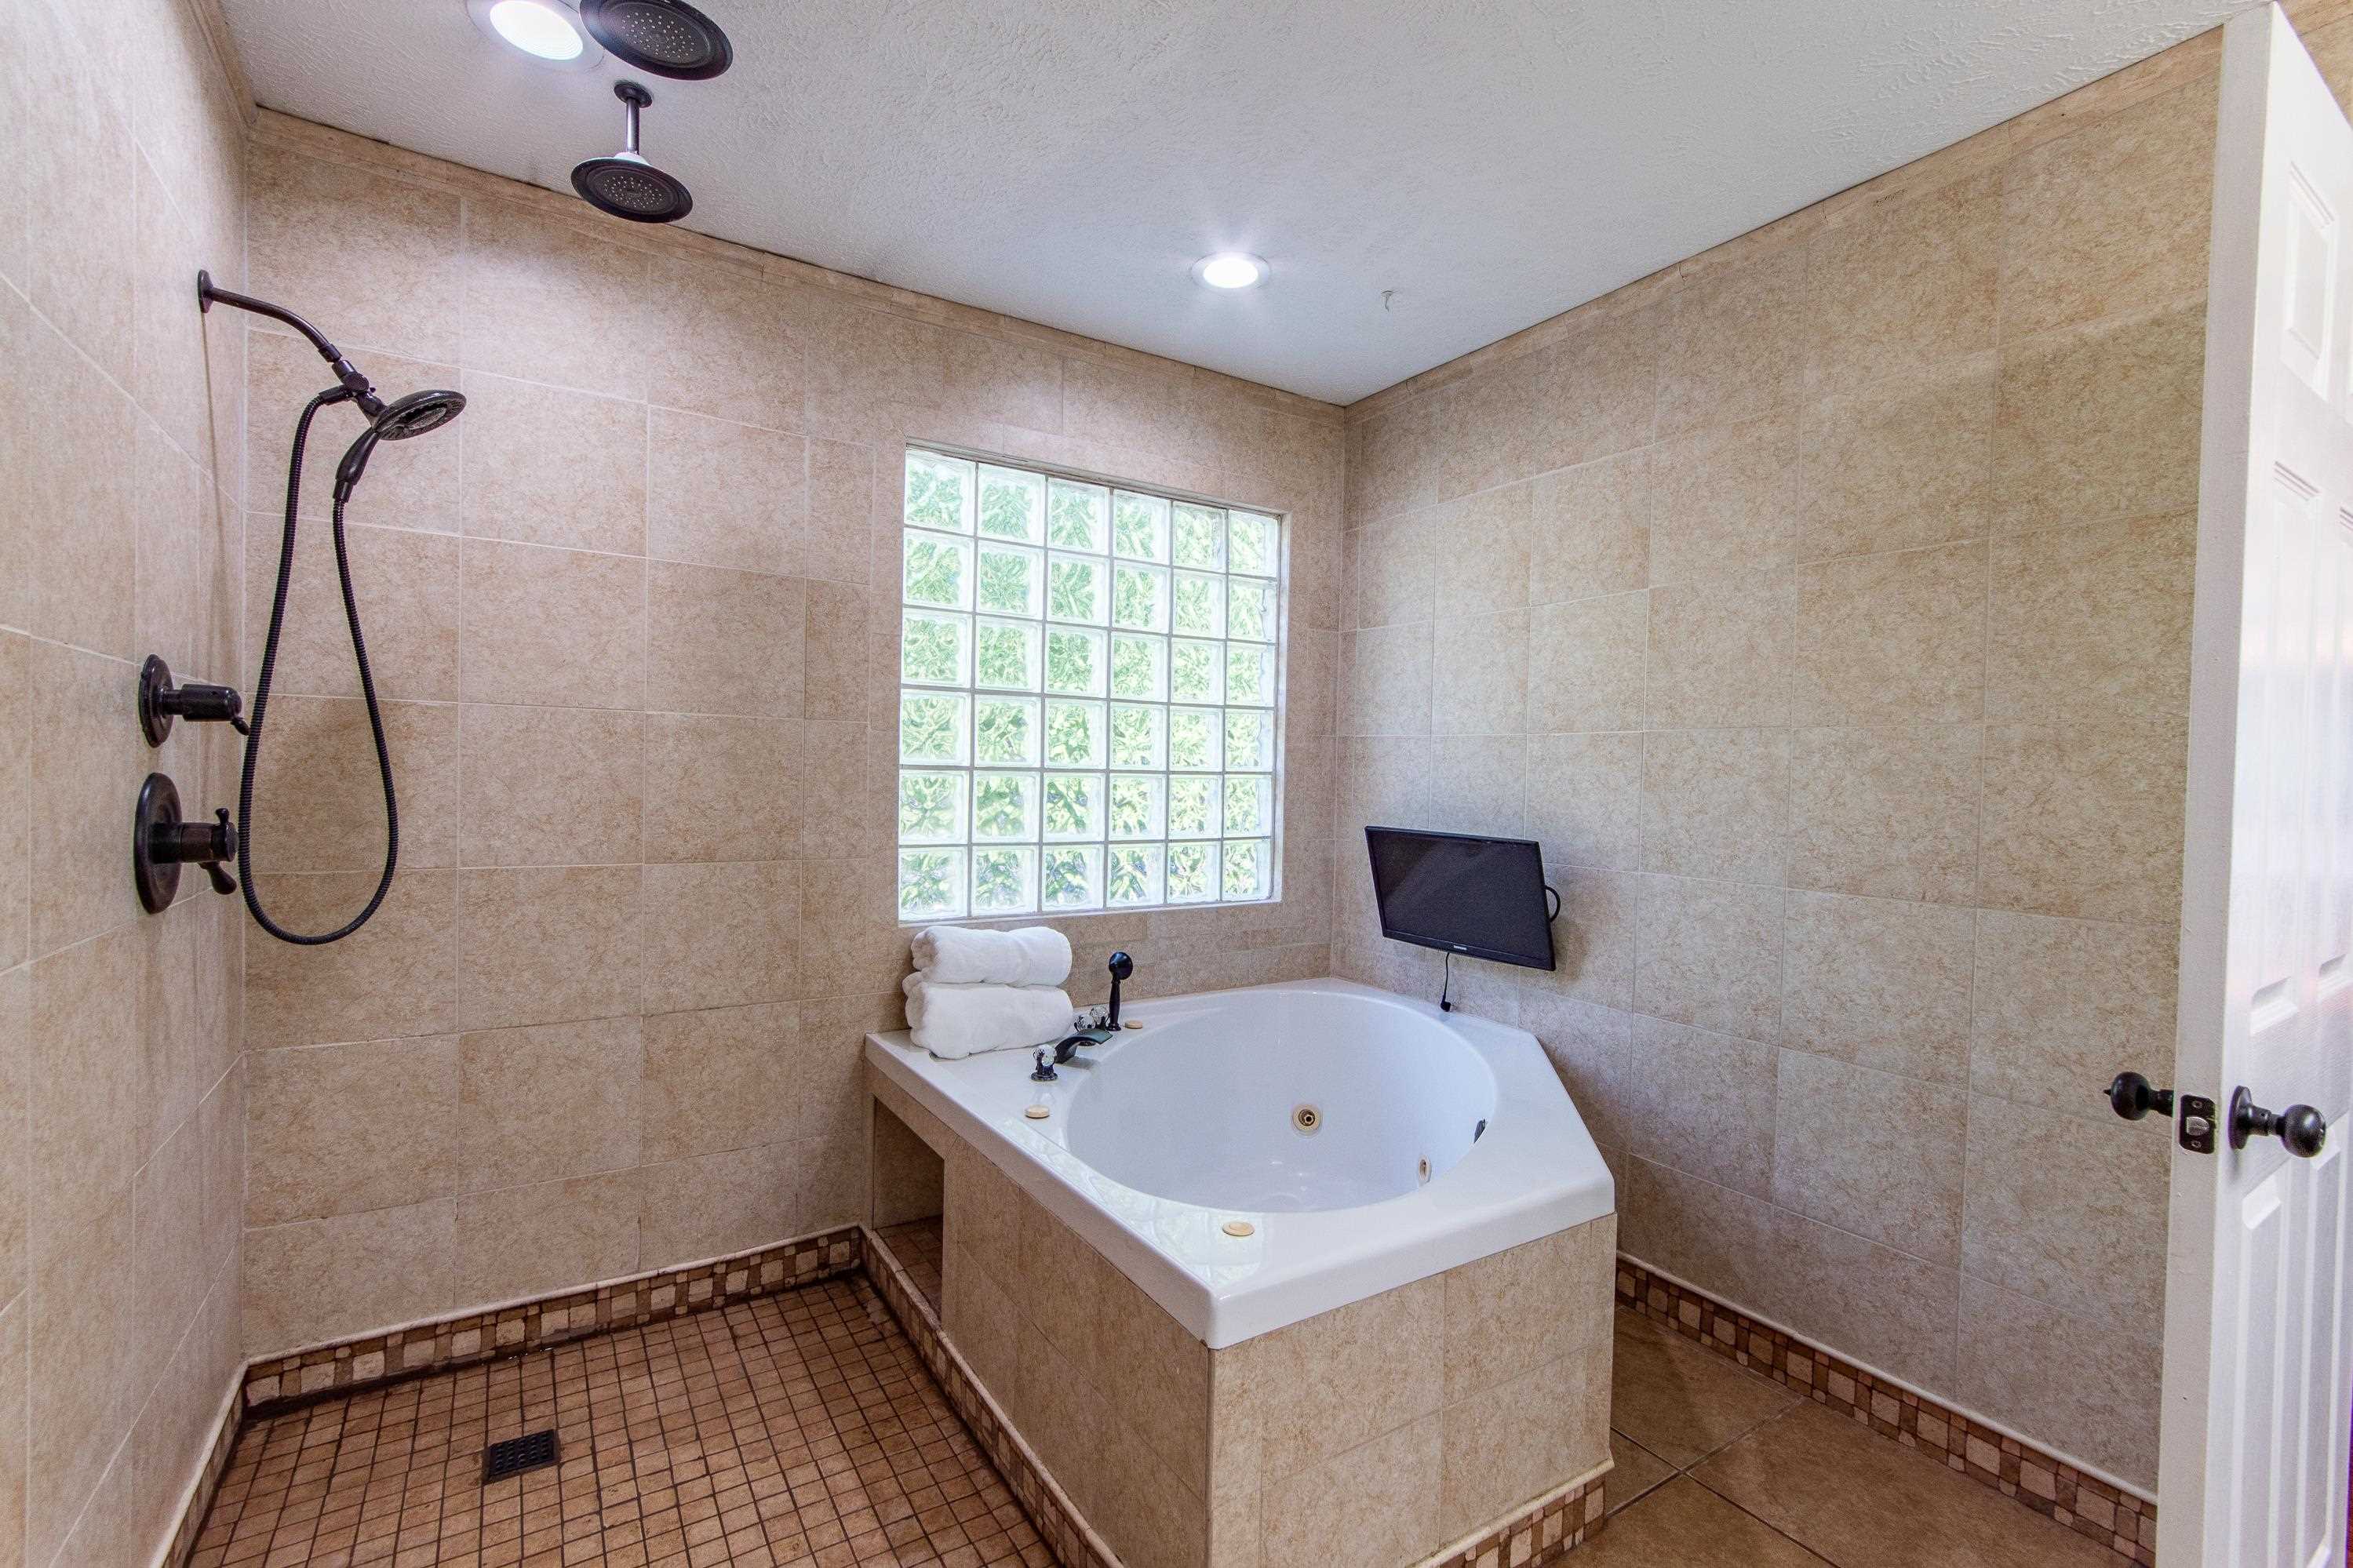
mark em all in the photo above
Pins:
pixel 2301 1127
pixel 2303 1130
pixel 2130 1096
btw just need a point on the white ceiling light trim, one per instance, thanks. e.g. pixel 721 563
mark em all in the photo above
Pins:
pixel 1231 270
pixel 546 32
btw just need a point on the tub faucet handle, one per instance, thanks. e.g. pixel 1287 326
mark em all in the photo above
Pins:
pixel 1044 1072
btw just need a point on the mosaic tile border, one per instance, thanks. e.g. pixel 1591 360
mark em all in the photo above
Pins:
pixel 1543 1532
pixel 1051 1514
pixel 2125 1524
pixel 277 1383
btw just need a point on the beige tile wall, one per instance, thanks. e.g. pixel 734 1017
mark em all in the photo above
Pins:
pixel 1376 1433
pixel 634 618
pixel 1822 604
pixel 122 1088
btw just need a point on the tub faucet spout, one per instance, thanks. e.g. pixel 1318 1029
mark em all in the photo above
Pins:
pixel 1069 1046
pixel 1121 967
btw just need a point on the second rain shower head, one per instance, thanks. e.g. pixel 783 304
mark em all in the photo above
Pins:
pixel 625 184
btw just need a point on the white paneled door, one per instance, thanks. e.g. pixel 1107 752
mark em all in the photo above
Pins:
pixel 2253 1468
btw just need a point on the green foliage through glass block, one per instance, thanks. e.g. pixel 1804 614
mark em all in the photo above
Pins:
pixel 1249 740
pixel 931 728
pixel 1249 611
pixel 1010 502
pixel 931 807
pixel 1008 582
pixel 1006 657
pixel 1139 526
pixel 936 571
pixel 1246 870
pixel 1249 543
pixel 1073 806
pixel 1200 606
pixel 1133 876
pixel 1246 674
pixel 939 492
pixel 1135 668
pixel 1192 873
pixel 1135 737
pixel 1074 736
pixel 1139 598
pixel 1193 671
pixel 1246 801
pixel 1192 740
pixel 1050 624
pixel 1200 533
pixel 1192 806
pixel 1000 882
pixel 1074 662
pixel 1005 805
pixel 929 883
pixel 1075 515
pixel 1136 807
pixel 1074 589
pixel 1067 878
pixel 931 650
pixel 1004 732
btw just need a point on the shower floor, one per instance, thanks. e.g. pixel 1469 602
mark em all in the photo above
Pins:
pixel 796 1428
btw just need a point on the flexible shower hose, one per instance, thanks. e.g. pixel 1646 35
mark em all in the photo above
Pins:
pixel 261 703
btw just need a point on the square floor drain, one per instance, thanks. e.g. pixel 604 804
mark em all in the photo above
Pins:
pixel 516 1454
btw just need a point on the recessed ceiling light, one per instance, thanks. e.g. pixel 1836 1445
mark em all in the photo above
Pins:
pixel 1231 270
pixel 547 30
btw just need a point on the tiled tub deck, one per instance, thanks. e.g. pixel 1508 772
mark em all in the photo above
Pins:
pixel 1410 1426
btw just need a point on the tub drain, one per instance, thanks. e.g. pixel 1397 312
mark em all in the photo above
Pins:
pixel 1306 1119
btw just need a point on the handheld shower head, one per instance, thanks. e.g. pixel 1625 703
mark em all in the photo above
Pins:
pixel 414 415
pixel 625 184
pixel 418 413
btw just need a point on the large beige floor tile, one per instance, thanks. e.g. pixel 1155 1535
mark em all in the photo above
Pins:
pixel 1860 1500
pixel 1682 1525
pixel 1682 1403
pixel 1635 1472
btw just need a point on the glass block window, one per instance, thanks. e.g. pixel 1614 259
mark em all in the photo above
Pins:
pixel 1087 679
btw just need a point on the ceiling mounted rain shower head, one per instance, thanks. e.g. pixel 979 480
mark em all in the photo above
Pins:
pixel 625 184
pixel 668 38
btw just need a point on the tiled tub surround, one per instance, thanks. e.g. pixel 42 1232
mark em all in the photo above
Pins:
pixel 1383 1432
pixel 1821 604
pixel 638 607
pixel 122 1080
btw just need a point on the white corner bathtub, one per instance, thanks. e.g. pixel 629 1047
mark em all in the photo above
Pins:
pixel 1156 1142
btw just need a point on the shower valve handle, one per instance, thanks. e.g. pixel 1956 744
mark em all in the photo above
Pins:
pixel 162 842
pixel 205 843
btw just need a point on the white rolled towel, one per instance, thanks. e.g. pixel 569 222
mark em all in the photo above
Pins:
pixel 952 1020
pixel 962 956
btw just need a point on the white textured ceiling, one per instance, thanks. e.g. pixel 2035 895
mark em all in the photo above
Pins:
pixel 1491 162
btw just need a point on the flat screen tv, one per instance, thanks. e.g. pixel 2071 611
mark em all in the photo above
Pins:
pixel 1483 897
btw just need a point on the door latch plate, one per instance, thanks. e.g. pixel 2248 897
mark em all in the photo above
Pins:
pixel 2195 1128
